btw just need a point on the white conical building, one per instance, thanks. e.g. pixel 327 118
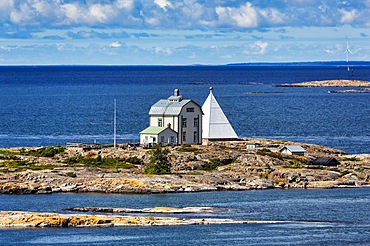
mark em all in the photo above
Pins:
pixel 215 125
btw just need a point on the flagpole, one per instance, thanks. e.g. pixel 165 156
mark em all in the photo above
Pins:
pixel 115 124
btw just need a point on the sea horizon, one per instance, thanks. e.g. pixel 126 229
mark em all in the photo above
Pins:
pixel 267 63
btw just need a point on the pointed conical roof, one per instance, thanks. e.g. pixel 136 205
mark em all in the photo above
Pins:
pixel 215 124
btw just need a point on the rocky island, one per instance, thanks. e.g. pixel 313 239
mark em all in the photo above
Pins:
pixel 235 165
pixel 329 83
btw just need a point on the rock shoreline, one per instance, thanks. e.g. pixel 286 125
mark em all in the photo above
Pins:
pixel 239 167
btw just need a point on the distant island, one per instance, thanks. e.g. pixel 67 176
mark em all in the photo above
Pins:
pixel 307 64
pixel 329 83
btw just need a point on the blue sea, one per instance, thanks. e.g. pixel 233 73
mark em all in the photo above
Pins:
pixel 52 105
pixel 306 217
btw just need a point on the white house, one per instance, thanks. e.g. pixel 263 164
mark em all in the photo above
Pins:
pixel 158 135
pixel 216 126
pixel 293 150
pixel 183 116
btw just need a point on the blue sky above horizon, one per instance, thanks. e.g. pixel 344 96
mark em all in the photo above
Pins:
pixel 145 32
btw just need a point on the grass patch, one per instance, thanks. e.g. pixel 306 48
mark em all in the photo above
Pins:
pixel 49 151
pixel 19 166
pixel 267 152
pixel 188 148
pixel 9 152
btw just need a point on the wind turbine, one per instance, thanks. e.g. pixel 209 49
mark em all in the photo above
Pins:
pixel 347 54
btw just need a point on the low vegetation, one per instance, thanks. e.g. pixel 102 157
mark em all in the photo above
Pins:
pixel 48 151
pixel 267 152
pixel 158 162
pixel 214 163
pixel 351 159
pixel 19 166
pixel 188 148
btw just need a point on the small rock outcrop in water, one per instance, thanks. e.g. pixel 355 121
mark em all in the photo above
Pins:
pixel 157 210
pixel 18 219
pixel 233 165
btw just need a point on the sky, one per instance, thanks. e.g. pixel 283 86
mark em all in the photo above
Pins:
pixel 181 32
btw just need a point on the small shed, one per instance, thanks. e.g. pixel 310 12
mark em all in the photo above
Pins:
pixel 158 135
pixel 293 150
pixel 251 145
pixel 326 161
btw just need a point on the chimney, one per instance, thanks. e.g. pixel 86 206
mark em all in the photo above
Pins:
pixel 177 93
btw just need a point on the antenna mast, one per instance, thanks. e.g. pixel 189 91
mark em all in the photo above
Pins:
pixel 115 125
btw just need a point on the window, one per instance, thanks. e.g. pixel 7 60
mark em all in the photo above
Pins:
pixel 190 110
pixel 184 122
pixel 196 122
pixel 172 139
pixel 162 139
pixel 160 122
pixel 184 136
pixel 195 137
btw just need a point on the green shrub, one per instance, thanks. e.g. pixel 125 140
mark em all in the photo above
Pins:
pixel 265 175
pixel 158 162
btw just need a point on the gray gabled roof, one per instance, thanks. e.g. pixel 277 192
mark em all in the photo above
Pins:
pixel 167 107
pixel 294 148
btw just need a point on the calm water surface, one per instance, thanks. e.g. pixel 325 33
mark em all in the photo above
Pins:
pixel 55 105
pixel 307 217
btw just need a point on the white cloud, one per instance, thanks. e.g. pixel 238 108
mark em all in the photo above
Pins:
pixel 246 16
pixel 348 16
pixel 163 3
pixel 100 13
pixel 183 14
pixel 273 16
pixel 125 4
pixel 115 45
